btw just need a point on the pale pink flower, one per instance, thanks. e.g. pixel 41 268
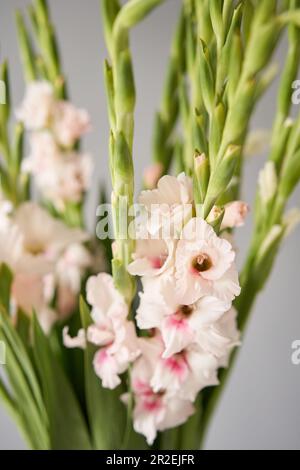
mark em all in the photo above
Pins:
pixel 180 325
pixel 235 214
pixel 186 373
pixel 28 271
pixel 118 348
pixel 72 265
pixel 104 298
pixel 154 412
pixel 73 178
pixel 69 123
pixel 152 257
pixel 37 107
pixel 42 234
pixel 60 177
pixel 204 264
pixel 111 331
pixel 169 206
pixel 44 154
pixel 152 174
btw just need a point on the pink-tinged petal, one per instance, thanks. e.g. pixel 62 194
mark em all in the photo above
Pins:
pixel 152 175
pixel 151 310
pixel 100 336
pixel 206 311
pixel 212 341
pixel 106 368
pixel 147 416
pixel 203 373
pixel 69 123
pixel 104 298
pixel 176 333
pixel 37 107
pixel 235 214
pixel 228 287
pixel 177 412
pixel 78 341
pixel 170 374
pixel 152 257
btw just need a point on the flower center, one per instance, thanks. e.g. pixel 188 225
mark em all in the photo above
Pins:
pixel 186 310
pixel 202 263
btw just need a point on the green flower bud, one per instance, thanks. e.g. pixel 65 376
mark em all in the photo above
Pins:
pixel 206 76
pixel 221 177
pixel 201 176
pixel 215 218
pixel 235 65
pixel 215 8
pixel 260 47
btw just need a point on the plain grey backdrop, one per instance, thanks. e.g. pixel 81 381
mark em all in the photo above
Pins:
pixel 260 408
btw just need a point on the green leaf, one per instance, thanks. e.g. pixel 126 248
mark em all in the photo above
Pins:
pixel 27 53
pixel 29 406
pixel 5 285
pixel 68 429
pixel 23 325
pixel 107 414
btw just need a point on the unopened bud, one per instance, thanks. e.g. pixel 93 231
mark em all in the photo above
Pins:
pixel 267 182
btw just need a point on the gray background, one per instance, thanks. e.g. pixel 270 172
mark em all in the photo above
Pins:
pixel 260 407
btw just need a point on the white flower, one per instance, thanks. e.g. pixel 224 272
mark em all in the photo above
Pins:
pixel 38 105
pixel 154 411
pixel 69 123
pixel 169 206
pixel 152 257
pixel 184 374
pixel 204 264
pixel 44 155
pixel 182 325
pixel 60 177
pixel 72 265
pixel 104 298
pixel 42 234
pixel 111 331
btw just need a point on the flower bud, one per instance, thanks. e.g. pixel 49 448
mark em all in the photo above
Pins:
pixel 206 77
pixel 201 176
pixel 267 182
pixel 221 177
pixel 291 220
pixel 152 174
pixel 215 218
pixel 235 214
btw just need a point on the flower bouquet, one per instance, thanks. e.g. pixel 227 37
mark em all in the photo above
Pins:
pixel 124 339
